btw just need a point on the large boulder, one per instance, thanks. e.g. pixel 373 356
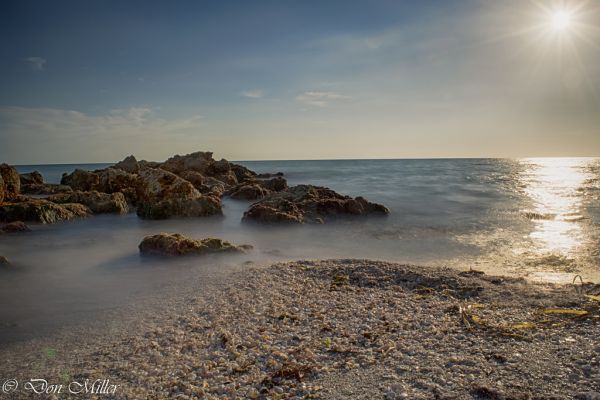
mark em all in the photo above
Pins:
pixel 195 178
pixel 11 181
pixel 307 203
pixel 174 244
pixel 31 178
pixel 41 210
pixel 162 194
pixel 97 202
pixel 13 227
pixel 81 180
pixel 276 184
pixel 44 188
pixel 129 164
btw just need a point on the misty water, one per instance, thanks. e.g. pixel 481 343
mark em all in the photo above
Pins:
pixel 537 218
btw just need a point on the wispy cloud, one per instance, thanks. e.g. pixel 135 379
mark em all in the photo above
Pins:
pixel 64 133
pixel 36 63
pixel 253 94
pixel 320 99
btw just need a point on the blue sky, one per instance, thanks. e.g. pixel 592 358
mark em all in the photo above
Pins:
pixel 97 80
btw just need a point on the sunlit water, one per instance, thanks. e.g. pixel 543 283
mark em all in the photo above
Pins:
pixel 537 218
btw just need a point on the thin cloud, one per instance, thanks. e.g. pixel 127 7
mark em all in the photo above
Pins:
pixel 36 63
pixel 320 99
pixel 253 94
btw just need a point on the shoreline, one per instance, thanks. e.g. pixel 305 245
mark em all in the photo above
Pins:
pixel 339 329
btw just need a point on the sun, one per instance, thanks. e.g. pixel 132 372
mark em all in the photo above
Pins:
pixel 561 20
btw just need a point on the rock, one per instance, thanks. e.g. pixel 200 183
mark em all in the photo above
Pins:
pixel 221 170
pixel 81 180
pixel 242 173
pixel 174 244
pixel 143 164
pixel 1 189
pixel 194 177
pixel 276 184
pixel 31 178
pixel 129 164
pixel 212 187
pixel 11 181
pixel 162 194
pixel 97 202
pixel 41 210
pixel 251 191
pixel 198 161
pixel 4 261
pixel 44 188
pixel 268 175
pixel 113 180
pixel 17 226
pixel 307 203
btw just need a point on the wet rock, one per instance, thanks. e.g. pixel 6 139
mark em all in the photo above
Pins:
pixel 31 178
pixel 17 226
pixel 162 194
pixel 97 202
pixel 212 187
pixel 242 173
pixel 250 191
pixel 276 184
pixel 11 181
pixel 129 164
pixel 174 244
pixel 41 210
pixel 81 180
pixel 307 203
pixel 268 175
pixel 44 188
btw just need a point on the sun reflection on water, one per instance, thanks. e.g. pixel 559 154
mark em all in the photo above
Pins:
pixel 553 185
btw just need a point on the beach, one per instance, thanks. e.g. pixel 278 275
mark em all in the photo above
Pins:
pixel 336 329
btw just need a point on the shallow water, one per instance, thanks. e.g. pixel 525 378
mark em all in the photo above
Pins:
pixel 537 218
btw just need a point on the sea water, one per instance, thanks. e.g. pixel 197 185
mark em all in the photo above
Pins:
pixel 536 218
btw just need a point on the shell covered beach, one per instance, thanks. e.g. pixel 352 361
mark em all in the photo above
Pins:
pixel 341 329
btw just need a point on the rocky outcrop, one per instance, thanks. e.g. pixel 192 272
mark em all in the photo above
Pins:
pixel 113 180
pixel 249 191
pixel 44 188
pixel 41 210
pixel 242 173
pixel 195 178
pixel 129 164
pixel 162 194
pixel 307 203
pixel 13 227
pixel 174 244
pixel 11 182
pixel 1 189
pixel 31 178
pixel 198 161
pixel 256 189
pixel 81 180
pixel 97 202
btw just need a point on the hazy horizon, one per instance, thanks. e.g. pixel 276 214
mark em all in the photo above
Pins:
pixel 95 81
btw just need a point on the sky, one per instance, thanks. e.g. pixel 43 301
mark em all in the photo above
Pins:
pixel 97 80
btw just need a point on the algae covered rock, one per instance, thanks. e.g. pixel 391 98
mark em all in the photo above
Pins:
pixel 174 244
pixel 307 203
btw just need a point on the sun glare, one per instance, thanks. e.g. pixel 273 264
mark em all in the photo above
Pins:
pixel 561 20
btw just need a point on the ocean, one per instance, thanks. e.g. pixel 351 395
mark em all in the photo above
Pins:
pixel 538 218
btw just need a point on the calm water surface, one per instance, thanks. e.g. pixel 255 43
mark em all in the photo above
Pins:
pixel 537 218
